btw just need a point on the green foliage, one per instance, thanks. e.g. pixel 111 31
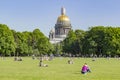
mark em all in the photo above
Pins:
pixel 41 42
pixel 7 45
pixel 68 43
pixel 78 42
pixel 23 43
pixel 57 48
pixel 102 40
pixel 98 40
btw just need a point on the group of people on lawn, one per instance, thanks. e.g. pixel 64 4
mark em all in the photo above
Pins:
pixel 85 69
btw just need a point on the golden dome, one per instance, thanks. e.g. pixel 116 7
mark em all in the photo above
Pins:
pixel 63 18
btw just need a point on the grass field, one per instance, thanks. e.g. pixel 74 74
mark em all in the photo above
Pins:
pixel 58 69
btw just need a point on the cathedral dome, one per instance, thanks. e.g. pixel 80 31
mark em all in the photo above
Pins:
pixel 61 28
pixel 63 18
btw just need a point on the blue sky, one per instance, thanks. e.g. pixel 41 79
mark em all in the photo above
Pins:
pixel 27 15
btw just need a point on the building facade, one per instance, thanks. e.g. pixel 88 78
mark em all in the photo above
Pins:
pixel 61 29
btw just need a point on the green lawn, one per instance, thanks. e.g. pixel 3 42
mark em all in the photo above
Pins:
pixel 58 69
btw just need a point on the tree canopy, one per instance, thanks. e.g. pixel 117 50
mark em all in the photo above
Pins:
pixel 23 43
pixel 97 40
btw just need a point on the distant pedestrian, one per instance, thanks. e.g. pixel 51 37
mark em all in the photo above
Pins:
pixel 70 61
pixel 33 56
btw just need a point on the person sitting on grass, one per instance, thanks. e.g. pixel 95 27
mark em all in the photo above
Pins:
pixel 70 61
pixel 41 63
pixel 85 69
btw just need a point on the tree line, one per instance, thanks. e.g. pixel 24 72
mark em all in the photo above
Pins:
pixel 25 43
pixel 96 41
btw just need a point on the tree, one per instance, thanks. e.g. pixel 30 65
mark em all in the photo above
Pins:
pixel 68 43
pixel 102 40
pixel 78 42
pixel 94 40
pixel 7 45
pixel 41 42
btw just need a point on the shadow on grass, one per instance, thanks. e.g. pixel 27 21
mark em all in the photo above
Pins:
pixel 77 72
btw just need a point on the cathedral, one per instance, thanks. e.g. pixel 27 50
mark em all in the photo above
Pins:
pixel 61 29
